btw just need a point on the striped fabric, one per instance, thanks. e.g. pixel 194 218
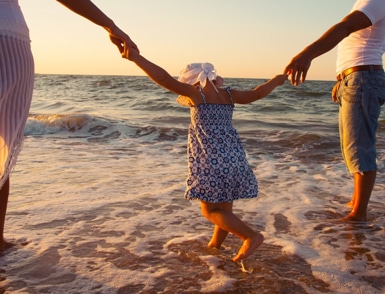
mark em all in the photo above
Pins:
pixel 16 86
pixel 12 21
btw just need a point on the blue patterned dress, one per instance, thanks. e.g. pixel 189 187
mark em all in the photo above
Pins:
pixel 217 165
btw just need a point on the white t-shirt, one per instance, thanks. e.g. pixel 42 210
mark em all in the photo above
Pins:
pixel 366 46
pixel 12 22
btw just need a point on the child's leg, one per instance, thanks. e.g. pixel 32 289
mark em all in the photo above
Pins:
pixel 221 215
pixel 218 237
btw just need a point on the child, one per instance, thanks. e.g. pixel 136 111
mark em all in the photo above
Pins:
pixel 218 170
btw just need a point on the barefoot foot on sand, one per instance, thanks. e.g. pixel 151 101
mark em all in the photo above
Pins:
pixel 249 246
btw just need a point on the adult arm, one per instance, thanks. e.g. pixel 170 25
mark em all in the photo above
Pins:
pixel 300 64
pixel 90 11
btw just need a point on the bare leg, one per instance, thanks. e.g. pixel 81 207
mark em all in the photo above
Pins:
pixel 218 237
pixel 363 186
pixel 221 215
pixel 4 193
pixel 351 202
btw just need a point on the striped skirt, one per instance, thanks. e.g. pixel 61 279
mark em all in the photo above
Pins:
pixel 16 86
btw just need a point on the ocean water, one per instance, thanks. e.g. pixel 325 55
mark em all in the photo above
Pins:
pixel 97 205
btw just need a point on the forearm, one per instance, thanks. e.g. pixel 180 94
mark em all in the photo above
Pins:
pixel 245 97
pixel 266 88
pixel 90 11
pixel 155 72
pixel 327 41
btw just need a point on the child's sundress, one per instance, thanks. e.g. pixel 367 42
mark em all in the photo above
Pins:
pixel 217 165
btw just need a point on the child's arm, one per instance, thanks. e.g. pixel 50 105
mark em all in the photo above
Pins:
pixel 162 77
pixel 245 97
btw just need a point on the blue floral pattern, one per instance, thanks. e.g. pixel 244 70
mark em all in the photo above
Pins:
pixel 218 169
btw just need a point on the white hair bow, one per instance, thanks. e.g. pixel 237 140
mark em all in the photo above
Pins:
pixel 208 73
pixel 198 73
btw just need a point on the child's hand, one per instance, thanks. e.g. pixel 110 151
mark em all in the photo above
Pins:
pixel 281 79
pixel 132 54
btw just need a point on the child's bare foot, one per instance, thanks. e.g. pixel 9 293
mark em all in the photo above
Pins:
pixel 249 246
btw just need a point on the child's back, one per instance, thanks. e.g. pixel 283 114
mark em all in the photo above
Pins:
pixel 218 169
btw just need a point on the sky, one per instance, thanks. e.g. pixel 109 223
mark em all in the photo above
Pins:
pixel 242 38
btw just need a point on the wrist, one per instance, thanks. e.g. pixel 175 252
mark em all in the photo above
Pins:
pixel 110 27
